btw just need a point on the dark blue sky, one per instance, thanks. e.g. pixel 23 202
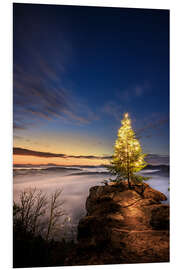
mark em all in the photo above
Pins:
pixel 78 69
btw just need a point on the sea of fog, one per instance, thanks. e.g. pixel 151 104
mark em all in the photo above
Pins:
pixel 75 183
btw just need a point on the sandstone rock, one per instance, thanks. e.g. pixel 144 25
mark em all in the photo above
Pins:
pixel 141 246
pixel 160 216
pixel 124 226
pixel 154 194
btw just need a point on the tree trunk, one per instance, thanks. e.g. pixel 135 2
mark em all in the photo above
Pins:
pixel 129 182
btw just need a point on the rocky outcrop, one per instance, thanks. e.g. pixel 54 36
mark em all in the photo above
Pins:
pixel 123 225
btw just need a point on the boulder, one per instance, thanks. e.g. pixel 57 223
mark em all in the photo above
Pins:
pixel 123 225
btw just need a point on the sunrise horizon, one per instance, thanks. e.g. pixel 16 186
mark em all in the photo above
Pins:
pixel 72 86
pixel 26 156
pixel 91 181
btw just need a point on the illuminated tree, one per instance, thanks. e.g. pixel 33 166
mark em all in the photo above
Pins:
pixel 128 157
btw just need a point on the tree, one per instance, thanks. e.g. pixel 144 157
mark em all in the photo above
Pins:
pixel 128 157
pixel 37 214
pixel 56 211
pixel 30 209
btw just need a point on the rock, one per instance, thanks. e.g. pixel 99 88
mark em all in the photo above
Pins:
pixel 141 246
pixel 160 216
pixel 123 225
pixel 153 194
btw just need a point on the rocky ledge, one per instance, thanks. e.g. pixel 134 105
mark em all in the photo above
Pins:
pixel 123 225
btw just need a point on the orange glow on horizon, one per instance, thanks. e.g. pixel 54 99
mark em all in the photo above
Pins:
pixel 19 159
pixel 65 143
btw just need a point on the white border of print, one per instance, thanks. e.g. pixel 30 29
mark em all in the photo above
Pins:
pixel 6 125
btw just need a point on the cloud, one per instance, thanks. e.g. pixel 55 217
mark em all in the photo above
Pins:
pixel 156 124
pixel 27 152
pixel 135 91
pixel 112 109
pixel 157 159
pixel 138 91
pixel 41 61
pixel 42 97
pixel 153 159
pixel 16 125
pixel 116 109
pixel 17 137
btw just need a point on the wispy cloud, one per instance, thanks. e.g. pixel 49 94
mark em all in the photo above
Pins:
pixel 42 97
pixel 113 109
pixel 17 137
pixel 17 125
pixel 133 92
pixel 152 125
pixel 118 107
pixel 39 86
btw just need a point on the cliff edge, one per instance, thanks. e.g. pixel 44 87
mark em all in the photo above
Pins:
pixel 123 225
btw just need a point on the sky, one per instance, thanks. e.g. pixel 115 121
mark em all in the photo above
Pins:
pixel 77 70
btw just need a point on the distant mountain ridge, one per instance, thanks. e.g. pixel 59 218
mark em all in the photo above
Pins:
pixel 162 167
pixel 149 166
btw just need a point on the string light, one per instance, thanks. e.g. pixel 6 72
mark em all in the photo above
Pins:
pixel 128 157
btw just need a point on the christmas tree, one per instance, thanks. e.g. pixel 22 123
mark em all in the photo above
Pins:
pixel 128 157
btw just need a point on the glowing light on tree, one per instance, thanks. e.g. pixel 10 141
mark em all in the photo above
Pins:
pixel 128 157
